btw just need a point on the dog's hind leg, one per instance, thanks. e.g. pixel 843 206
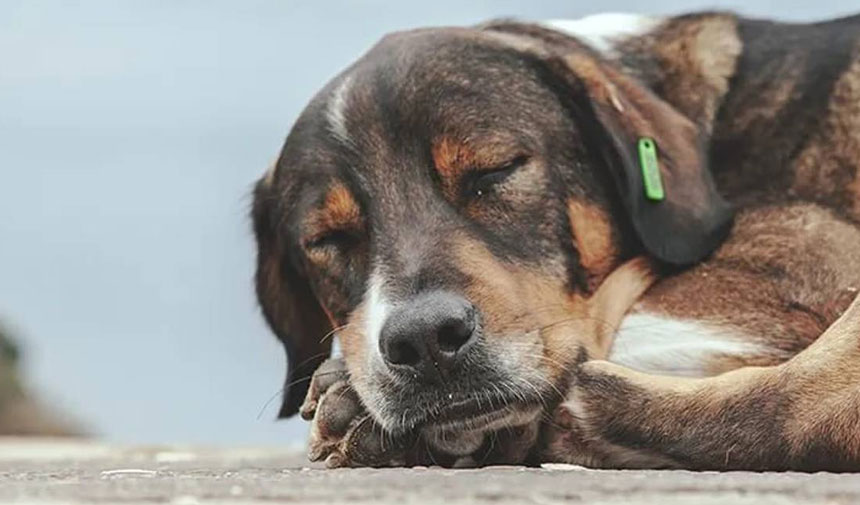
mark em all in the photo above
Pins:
pixel 803 414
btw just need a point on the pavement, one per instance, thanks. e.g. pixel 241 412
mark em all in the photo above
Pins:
pixel 53 471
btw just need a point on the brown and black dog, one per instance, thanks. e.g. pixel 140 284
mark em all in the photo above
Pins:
pixel 464 209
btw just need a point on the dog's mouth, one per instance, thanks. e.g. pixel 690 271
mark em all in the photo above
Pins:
pixel 471 413
pixel 461 428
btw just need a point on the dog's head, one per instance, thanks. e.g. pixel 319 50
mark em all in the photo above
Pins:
pixel 449 205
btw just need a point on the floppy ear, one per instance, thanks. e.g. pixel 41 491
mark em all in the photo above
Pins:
pixel 617 111
pixel 693 219
pixel 288 303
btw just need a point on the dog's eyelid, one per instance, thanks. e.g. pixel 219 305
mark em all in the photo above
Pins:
pixel 335 237
pixel 510 162
pixel 483 180
pixel 517 161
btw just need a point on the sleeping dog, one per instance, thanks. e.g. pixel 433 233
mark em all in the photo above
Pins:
pixel 467 211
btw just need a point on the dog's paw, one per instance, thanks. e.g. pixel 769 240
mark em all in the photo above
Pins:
pixel 596 425
pixel 573 434
pixel 343 433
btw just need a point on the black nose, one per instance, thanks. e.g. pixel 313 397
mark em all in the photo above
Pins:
pixel 429 334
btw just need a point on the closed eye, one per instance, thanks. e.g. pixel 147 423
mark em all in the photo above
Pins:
pixel 482 182
pixel 333 238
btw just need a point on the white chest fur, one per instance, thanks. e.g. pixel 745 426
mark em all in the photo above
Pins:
pixel 666 346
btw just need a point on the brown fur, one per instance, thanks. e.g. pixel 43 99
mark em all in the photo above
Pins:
pixel 287 302
pixel 451 158
pixel 782 301
pixel 784 276
pixel 689 61
pixel 802 414
pixel 340 211
pixel 828 165
pixel 455 158
pixel 517 299
pixel 594 239
pixel 786 273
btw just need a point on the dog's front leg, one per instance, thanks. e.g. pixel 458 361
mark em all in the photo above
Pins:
pixel 801 415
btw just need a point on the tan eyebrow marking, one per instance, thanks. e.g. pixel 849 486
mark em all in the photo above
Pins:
pixel 339 211
pixel 341 205
pixel 453 157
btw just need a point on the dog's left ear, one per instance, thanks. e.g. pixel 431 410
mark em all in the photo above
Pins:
pixel 287 300
pixel 615 111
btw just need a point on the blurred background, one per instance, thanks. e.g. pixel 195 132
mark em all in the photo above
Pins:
pixel 130 135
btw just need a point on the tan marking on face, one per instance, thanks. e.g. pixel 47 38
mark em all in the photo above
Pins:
pixel 453 157
pixel 341 206
pixel 353 343
pixel 534 313
pixel 340 211
pixel 592 235
pixel 522 308
pixel 360 360
pixel 354 346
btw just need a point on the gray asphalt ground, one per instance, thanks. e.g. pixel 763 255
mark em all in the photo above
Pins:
pixel 50 471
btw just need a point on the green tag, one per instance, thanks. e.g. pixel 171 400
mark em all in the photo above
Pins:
pixel 650 169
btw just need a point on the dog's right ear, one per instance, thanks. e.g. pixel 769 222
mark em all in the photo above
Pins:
pixel 615 113
pixel 286 298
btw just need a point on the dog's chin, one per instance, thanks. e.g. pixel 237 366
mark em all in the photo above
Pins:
pixel 469 416
pixel 457 412
pixel 462 436
pixel 459 426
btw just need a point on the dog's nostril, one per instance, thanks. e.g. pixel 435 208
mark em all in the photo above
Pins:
pixel 428 334
pixel 403 353
pixel 453 334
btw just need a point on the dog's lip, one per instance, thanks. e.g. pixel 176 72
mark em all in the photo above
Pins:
pixel 475 413
pixel 463 409
pixel 460 418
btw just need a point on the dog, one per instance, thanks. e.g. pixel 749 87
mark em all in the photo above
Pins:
pixel 467 210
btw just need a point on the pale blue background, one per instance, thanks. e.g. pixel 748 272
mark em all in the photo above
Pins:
pixel 130 134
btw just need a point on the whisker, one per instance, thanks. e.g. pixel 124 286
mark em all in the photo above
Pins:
pixel 318 355
pixel 302 379
pixel 493 439
pixel 335 330
pixel 430 452
pixel 269 402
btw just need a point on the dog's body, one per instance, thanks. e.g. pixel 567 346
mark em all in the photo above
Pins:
pixel 777 109
pixel 785 131
pixel 783 105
